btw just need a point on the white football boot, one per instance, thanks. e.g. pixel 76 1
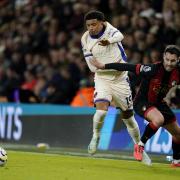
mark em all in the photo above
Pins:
pixel 92 148
pixel 146 159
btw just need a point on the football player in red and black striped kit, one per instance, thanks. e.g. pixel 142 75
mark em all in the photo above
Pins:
pixel 149 102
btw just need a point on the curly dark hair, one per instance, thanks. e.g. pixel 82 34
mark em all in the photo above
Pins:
pixel 94 15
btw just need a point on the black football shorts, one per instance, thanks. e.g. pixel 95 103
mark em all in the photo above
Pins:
pixel 143 107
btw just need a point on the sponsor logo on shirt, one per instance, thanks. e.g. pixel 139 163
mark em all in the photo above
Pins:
pixel 145 68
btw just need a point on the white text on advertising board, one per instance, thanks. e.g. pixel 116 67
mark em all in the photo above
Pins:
pixel 10 123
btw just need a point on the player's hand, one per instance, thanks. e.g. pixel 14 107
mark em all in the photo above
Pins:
pixel 97 64
pixel 104 42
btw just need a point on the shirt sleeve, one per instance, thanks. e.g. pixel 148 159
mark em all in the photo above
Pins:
pixel 116 36
pixel 121 67
pixel 91 67
pixel 138 69
pixel 146 70
pixel 88 56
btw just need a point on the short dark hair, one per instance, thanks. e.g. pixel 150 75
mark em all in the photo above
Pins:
pixel 173 49
pixel 94 15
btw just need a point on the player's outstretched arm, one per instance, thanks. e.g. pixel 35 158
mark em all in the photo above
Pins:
pixel 122 67
pixel 138 69
pixel 116 66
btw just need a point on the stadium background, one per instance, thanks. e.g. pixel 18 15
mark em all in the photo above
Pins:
pixel 41 63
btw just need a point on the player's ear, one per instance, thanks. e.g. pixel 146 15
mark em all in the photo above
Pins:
pixel 102 22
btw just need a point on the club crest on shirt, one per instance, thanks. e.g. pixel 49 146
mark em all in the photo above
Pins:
pixel 145 68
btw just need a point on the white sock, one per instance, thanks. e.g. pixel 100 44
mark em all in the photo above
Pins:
pixel 132 128
pixel 98 120
pixel 141 143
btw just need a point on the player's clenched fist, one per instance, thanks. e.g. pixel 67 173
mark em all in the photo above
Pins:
pixel 104 42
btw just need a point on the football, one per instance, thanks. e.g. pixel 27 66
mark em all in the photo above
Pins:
pixel 3 157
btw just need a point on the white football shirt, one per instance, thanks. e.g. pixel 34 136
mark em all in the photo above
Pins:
pixel 111 53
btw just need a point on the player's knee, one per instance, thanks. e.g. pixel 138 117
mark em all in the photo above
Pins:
pixel 102 106
pixel 101 112
pixel 100 115
pixel 158 120
pixel 126 114
pixel 128 119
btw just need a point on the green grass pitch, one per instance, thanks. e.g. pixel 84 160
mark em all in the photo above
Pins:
pixel 39 166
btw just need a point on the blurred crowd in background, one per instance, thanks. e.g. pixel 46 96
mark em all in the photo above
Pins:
pixel 40 51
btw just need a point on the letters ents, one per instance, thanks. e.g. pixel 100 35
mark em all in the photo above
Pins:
pixel 10 123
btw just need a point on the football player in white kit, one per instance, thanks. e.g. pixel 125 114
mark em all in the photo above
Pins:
pixel 102 41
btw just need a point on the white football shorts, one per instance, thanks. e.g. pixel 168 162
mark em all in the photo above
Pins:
pixel 117 91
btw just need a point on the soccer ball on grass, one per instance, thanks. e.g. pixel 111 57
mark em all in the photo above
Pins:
pixel 3 157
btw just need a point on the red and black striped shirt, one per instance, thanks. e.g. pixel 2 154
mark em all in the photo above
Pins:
pixel 155 83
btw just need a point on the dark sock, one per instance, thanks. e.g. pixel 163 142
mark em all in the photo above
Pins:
pixel 176 149
pixel 150 130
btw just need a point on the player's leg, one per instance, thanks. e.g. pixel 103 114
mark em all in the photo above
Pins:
pixel 172 126
pixel 155 118
pixel 131 124
pixel 102 100
pixel 174 129
pixel 98 120
pixel 134 132
pixel 123 99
